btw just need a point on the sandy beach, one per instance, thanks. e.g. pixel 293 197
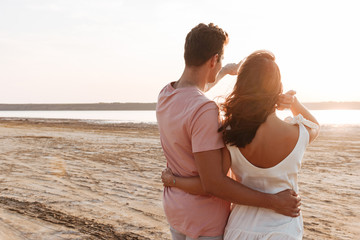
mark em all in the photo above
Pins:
pixel 67 179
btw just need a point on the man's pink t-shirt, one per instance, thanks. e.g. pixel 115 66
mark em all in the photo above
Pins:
pixel 188 123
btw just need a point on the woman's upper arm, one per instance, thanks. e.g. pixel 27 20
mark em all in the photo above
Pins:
pixel 313 133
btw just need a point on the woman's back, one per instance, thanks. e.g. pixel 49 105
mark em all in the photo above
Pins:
pixel 270 163
pixel 274 141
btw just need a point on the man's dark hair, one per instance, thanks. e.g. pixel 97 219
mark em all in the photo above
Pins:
pixel 203 42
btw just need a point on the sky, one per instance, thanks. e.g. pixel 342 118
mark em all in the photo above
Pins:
pixel 89 51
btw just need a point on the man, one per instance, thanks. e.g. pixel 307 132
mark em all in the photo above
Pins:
pixel 188 123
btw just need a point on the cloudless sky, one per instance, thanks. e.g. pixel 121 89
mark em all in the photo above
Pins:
pixel 80 51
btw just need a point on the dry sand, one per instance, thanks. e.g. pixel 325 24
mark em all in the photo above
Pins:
pixel 66 179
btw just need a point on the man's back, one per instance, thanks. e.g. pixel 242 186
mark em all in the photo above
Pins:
pixel 188 123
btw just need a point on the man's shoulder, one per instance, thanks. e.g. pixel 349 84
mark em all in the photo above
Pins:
pixel 165 89
pixel 198 99
pixel 190 97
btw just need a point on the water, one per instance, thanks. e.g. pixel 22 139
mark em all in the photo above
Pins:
pixel 331 117
pixel 325 117
pixel 102 116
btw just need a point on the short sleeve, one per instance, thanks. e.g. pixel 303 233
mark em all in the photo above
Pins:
pixel 204 129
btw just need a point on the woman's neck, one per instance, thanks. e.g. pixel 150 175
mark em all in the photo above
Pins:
pixel 272 116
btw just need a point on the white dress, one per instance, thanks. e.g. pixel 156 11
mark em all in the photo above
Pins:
pixel 246 222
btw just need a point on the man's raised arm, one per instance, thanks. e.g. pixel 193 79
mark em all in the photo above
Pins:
pixel 230 68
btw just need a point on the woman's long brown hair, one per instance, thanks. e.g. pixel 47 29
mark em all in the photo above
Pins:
pixel 253 98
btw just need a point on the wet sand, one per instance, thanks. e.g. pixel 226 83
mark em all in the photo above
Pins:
pixel 67 179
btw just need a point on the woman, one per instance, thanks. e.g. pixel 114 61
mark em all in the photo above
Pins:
pixel 265 151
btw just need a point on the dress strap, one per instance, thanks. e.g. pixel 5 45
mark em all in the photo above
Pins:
pixel 300 119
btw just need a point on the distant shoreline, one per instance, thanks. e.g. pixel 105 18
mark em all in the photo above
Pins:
pixel 80 107
pixel 333 105
pixel 146 106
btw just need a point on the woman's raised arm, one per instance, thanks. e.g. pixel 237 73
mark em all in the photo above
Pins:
pixel 297 108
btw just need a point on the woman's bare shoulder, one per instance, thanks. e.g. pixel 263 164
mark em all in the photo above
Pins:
pixel 289 131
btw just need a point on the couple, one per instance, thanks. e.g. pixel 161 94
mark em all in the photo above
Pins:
pixel 263 152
